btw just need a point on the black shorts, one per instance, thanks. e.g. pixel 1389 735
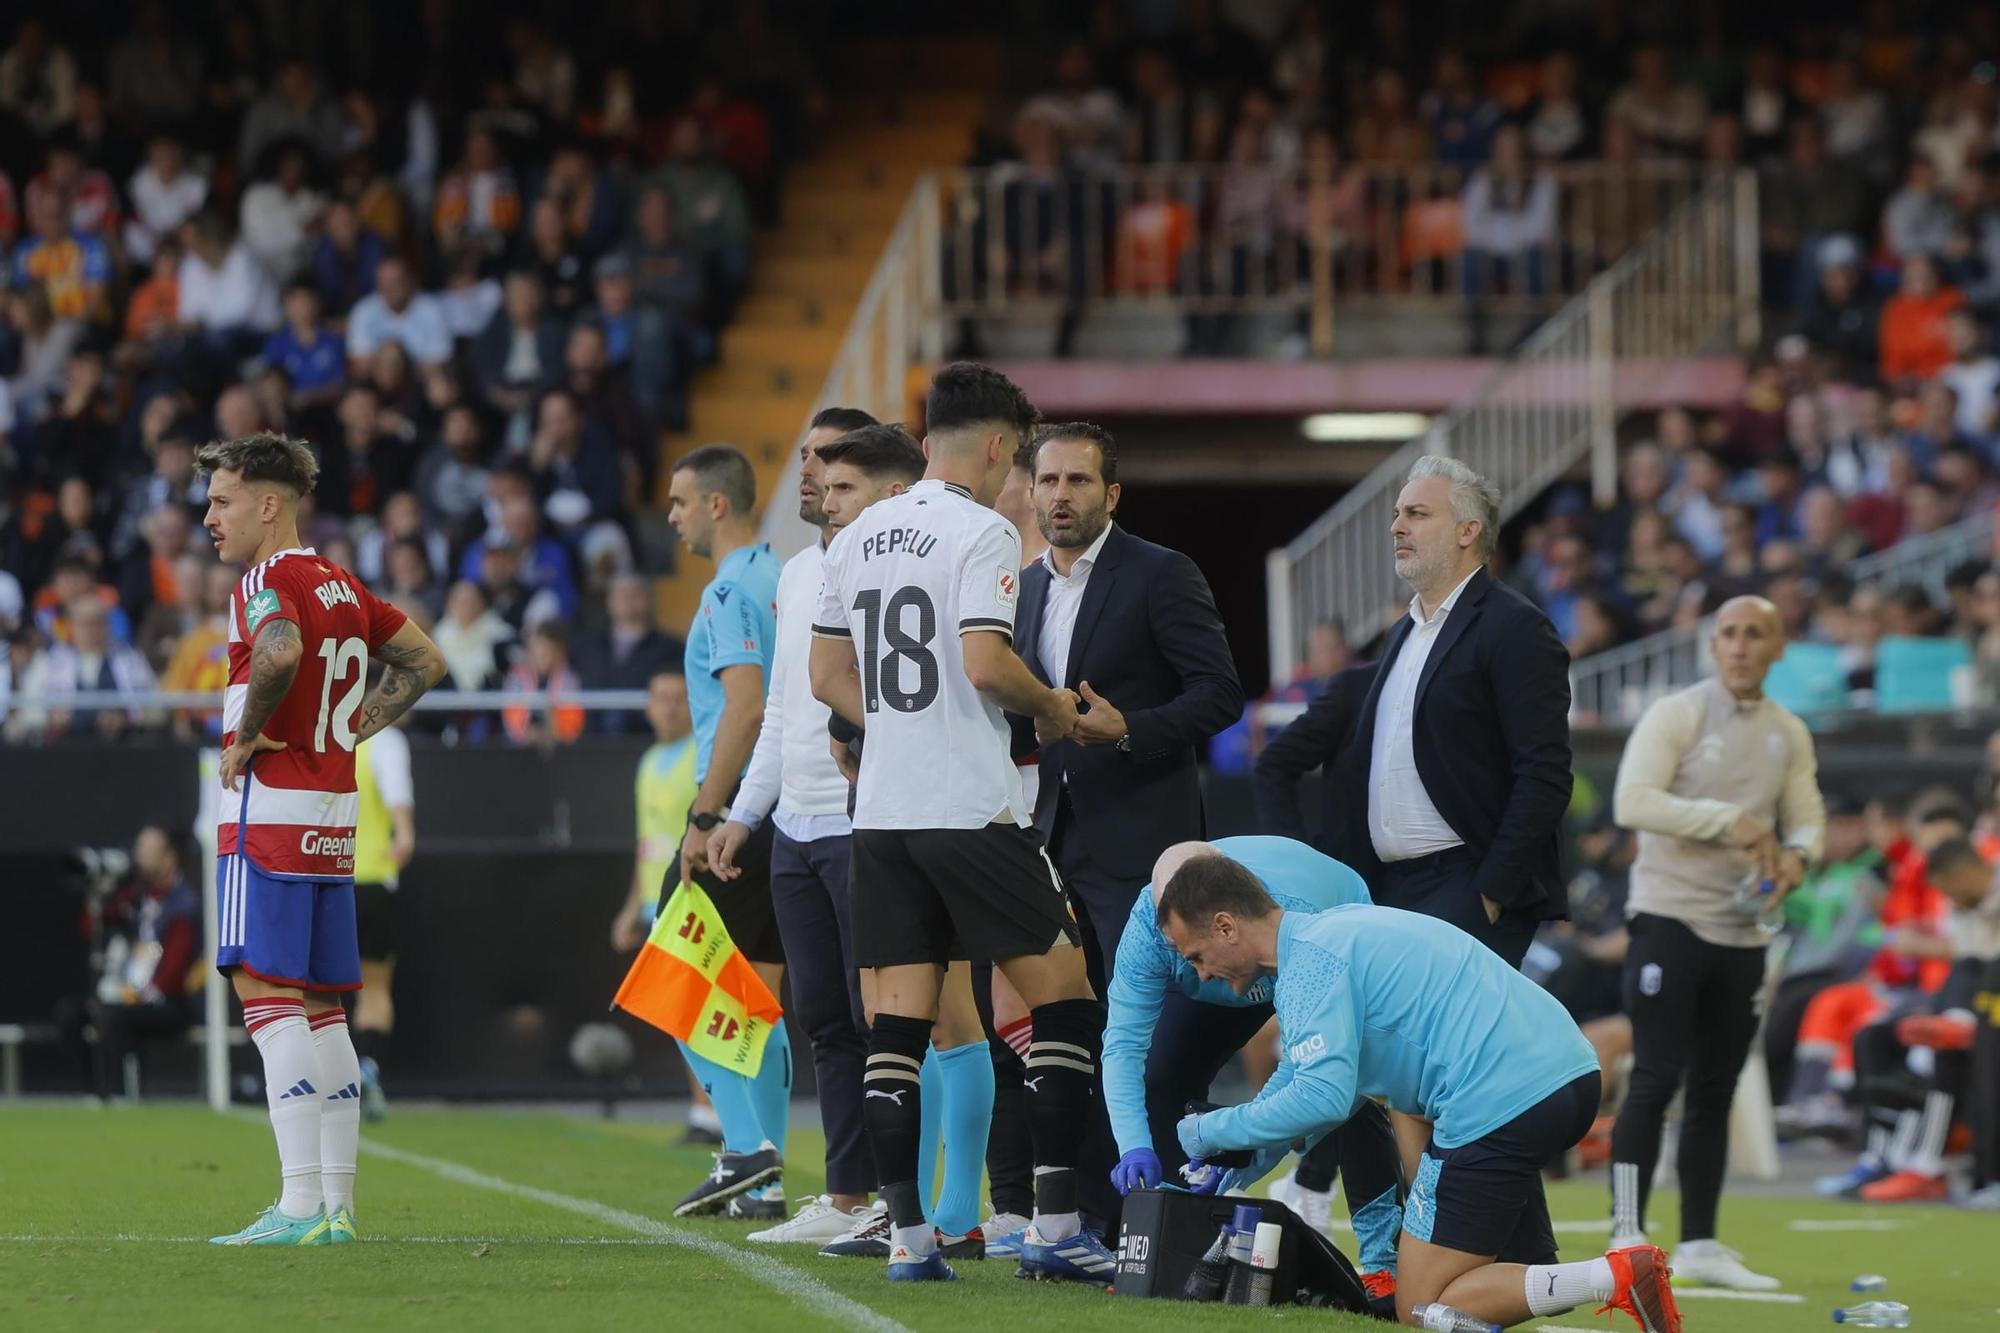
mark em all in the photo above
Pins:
pixel 745 902
pixel 927 895
pixel 1485 1197
pixel 375 922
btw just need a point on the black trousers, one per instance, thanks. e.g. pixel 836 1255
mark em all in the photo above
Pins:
pixel 128 1029
pixel 809 894
pixel 1441 885
pixel 1983 1097
pixel 1693 1007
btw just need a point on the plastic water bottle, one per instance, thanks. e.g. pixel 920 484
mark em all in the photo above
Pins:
pixel 1874 1314
pixel 1264 1261
pixel 1441 1318
pixel 1756 899
pixel 1869 1282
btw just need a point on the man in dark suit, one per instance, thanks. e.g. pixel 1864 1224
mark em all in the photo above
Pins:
pixel 1131 627
pixel 1464 732
pixel 1317 739
pixel 629 651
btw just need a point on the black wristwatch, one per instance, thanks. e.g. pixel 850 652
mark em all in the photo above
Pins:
pixel 704 821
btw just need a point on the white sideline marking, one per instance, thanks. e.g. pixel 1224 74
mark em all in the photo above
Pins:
pixel 1725 1294
pixel 807 1291
pixel 1846 1224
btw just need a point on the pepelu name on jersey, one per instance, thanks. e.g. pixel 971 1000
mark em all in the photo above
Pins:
pixel 333 593
pixel 910 541
pixel 325 844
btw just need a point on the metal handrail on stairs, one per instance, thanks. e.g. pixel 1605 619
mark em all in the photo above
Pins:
pixel 1689 287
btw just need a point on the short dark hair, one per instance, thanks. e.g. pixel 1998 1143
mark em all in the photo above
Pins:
pixel 879 451
pixel 1024 457
pixel 965 393
pixel 265 456
pixel 723 468
pixel 1950 855
pixel 1211 883
pixel 842 419
pixel 1090 433
pixel 553 630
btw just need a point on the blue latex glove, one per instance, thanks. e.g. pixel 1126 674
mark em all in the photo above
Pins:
pixel 1137 1169
pixel 1189 1133
pixel 1238 1180
pixel 1202 1178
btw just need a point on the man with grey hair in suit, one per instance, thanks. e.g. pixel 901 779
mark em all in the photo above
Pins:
pixel 1466 728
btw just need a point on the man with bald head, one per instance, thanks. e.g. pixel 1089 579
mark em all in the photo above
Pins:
pixel 1722 787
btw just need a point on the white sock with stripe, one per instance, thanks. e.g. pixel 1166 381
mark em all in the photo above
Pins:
pixel 1928 1157
pixel 340 1114
pixel 1560 1288
pixel 1625 1220
pixel 291 1090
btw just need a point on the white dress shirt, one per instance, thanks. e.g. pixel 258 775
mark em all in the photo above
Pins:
pixel 1059 611
pixel 1402 820
pixel 791 767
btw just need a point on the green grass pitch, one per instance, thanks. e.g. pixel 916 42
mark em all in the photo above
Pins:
pixel 101 1212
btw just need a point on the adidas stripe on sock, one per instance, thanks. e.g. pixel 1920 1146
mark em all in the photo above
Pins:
pixel 291 1092
pixel 340 1114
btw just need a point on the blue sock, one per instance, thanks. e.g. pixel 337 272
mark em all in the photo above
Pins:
pixel 771 1090
pixel 966 1073
pixel 1378 1227
pixel 742 1131
pixel 930 1103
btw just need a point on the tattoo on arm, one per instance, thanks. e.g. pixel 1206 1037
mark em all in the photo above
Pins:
pixel 274 662
pixel 407 672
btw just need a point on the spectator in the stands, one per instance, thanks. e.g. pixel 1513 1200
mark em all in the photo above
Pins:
pixel 38 79
pixel 366 464
pixel 1804 202
pixel 711 212
pixel 1463 121
pixel 1974 375
pixel 91 660
pixel 576 467
pixel 1914 338
pixel 1159 123
pixel 627 652
pixel 402 520
pixel 469 298
pixel 409 575
pixel 307 350
pixel 280 212
pixel 1780 483
pixel 543 670
pixel 1926 509
pixel 227 303
pixel 520 349
pixel 666 272
pixel 473 637
pixel 71 269
pixel 293 109
pixel 163 194
pixel 150 575
pixel 593 210
pixel 1643 481
pixel 1917 220
pixel 478 201
pixel 1842 315
pixel 81 432
pixel 1386 131
pixel 1856 120
pixel 87 195
pixel 1859 461
pixel 603 393
pixel 544 563
pixel 1763 105
pixel 1666 116
pixel 1085 111
pixel 397 312
pixel 555 258
pixel 152 316
pixel 1510 225
pixel 1556 125
pixel 451 476
pixel 200 656
pixel 345 259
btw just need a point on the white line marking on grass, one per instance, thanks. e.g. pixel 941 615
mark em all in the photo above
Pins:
pixel 1846 1224
pixel 1725 1294
pixel 807 1291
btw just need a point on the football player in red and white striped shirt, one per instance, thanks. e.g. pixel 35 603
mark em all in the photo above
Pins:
pixel 301 632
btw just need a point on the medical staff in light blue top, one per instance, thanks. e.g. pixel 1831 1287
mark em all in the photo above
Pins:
pixel 1169 1032
pixel 1378 1003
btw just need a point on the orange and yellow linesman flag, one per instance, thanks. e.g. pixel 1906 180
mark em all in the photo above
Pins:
pixel 690 981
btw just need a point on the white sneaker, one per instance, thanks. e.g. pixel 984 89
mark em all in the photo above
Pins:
pixel 1985 1199
pixel 816 1222
pixel 1716 1264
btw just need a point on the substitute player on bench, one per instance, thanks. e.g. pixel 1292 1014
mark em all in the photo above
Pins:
pixel 920 594
pixel 1376 1002
pixel 301 632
